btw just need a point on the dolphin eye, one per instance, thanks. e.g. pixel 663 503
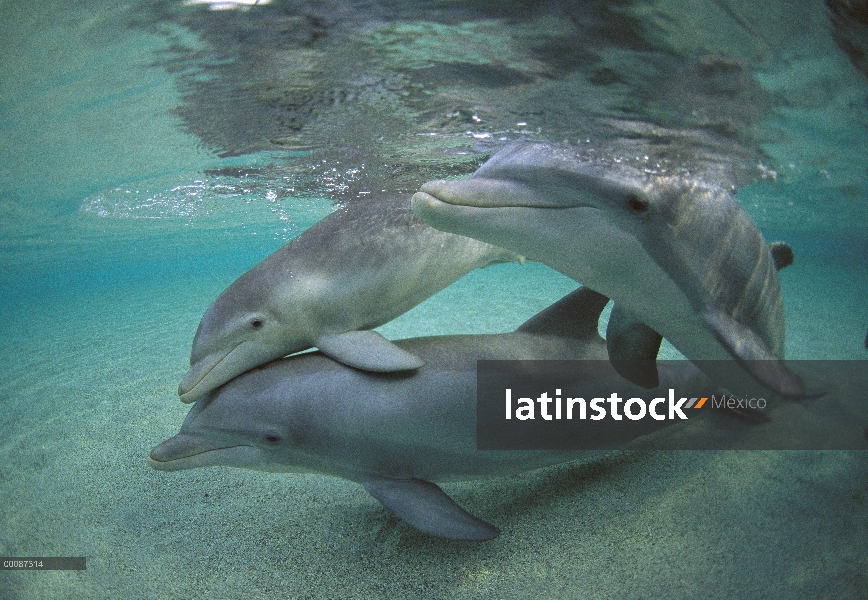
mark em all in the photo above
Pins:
pixel 272 439
pixel 636 204
pixel 257 323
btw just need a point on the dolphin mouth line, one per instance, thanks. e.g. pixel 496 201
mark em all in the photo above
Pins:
pixel 176 460
pixel 205 374
pixel 427 196
pixel 423 195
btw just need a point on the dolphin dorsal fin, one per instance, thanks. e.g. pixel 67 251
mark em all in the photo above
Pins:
pixel 574 316
pixel 782 254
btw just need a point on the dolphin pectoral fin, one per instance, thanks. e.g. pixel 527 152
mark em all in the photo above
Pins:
pixel 423 505
pixel 369 351
pixel 746 414
pixel 753 355
pixel 633 348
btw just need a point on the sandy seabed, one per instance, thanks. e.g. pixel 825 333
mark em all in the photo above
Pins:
pixel 88 387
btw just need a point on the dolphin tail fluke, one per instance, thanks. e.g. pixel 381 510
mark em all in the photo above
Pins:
pixel 633 348
pixel 426 507
pixel 369 351
pixel 575 316
pixel 753 355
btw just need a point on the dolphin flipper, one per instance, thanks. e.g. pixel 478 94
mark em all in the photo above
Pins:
pixel 426 507
pixel 633 348
pixel 367 350
pixel 749 350
pixel 746 414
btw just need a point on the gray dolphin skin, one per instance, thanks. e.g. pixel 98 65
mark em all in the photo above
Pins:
pixel 356 269
pixel 396 433
pixel 678 255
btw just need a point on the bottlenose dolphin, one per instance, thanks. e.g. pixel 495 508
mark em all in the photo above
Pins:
pixel 358 268
pixel 676 254
pixel 395 433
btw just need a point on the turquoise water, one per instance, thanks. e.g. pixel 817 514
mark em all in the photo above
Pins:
pixel 152 154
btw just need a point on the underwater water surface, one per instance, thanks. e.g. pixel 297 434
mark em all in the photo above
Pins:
pixel 150 153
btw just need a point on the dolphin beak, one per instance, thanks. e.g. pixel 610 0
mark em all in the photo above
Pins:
pixel 424 201
pixel 440 214
pixel 585 187
pixel 185 451
pixel 199 370
pixel 171 454
pixel 482 192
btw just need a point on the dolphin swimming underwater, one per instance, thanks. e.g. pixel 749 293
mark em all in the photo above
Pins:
pixel 358 268
pixel 677 255
pixel 395 433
